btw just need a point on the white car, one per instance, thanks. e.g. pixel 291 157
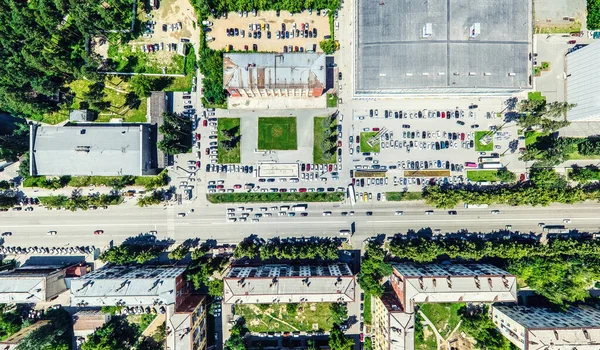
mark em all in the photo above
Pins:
pixel 399 212
pixel 326 213
pixel 51 233
pixel 495 212
pixel 567 221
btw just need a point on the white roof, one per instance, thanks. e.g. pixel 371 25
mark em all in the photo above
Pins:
pixel 22 290
pixel 436 283
pixel 578 327
pixel 289 284
pixel 130 285
pixel 583 83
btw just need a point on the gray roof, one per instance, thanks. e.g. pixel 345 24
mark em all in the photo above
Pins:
pixel 96 149
pixel 394 57
pixel 26 284
pixel 80 115
pixel 289 284
pixel 583 83
pixel 269 70
pixel 132 285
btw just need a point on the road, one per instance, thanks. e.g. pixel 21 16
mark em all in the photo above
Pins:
pixel 209 222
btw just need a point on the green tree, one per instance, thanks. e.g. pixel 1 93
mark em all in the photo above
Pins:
pixel 179 253
pixel 141 85
pixel 56 335
pixel 373 269
pixel 338 341
pixel 328 46
pixel 236 338
pixel 478 325
pixel 117 334
pixel 505 175
pixel 339 313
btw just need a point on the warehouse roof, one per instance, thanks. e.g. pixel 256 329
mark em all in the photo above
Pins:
pixel 269 70
pixel 583 84
pixel 455 46
pixel 109 150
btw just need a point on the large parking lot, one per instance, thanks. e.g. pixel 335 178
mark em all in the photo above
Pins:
pixel 269 32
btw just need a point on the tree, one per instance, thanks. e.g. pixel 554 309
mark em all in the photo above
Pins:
pixel 141 85
pixel 338 341
pixel 179 253
pixel 117 334
pixel 236 338
pixel 373 269
pixel 547 178
pixel 15 143
pixel 56 335
pixel 505 175
pixel 328 46
pixel 478 325
pixel 339 313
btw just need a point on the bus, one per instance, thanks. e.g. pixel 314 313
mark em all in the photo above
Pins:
pixel 470 165
pixel 300 207
pixel 489 159
pixel 494 165
pixel 352 195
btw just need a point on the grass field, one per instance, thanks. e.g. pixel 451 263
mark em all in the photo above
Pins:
pixel 332 100
pixel 364 146
pixel 278 318
pixel 277 133
pixel 482 175
pixel 321 133
pixel 531 137
pixel 130 59
pixel 233 155
pixel 403 196
pixel 479 147
pixel 256 197
pixel 444 317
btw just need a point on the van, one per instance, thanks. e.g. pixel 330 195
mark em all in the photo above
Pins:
pixel 344 232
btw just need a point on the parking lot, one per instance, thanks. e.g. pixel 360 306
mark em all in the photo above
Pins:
pixel 269 32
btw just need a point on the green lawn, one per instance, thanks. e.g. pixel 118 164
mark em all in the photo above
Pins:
pixel 536 96
pixel 332 100
pixel 531 137
pixel 480 147
pixel 403 196
pixel 424 336
pixel 123 57
pixel 262 197
pixel 324 138
pixel 445 317
pixel 306 317
pixel 364 146
pixel 277 133
pixel 233 155
pixel 482 175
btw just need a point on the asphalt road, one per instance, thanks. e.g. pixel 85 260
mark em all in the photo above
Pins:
pixel 209 222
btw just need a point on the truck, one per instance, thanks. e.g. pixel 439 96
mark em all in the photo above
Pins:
pixel 300 207
pixel 481 206
pixel 493 165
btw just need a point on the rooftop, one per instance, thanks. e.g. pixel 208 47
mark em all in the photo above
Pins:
pixel 289 284
pixel 89 320
pixel 268 70
pixel 444 270
pixel 26 284
pixel 123 284
pixel 455 46
pixel 97 149
pixel 583 84
pixel 579 327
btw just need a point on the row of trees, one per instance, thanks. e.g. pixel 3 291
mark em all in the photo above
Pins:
pixel 176 131
pixel 562 270
pixel 154 198
pixel 201 271
pixel 585 174
pixel 593 14
pixel 275 248
pixel 219 7
pixel 128 253
pixel 116 182
pixel 545 187
pixel 373 269
pixel 79 202
pixel 328 138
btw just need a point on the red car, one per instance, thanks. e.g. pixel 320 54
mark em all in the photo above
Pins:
pixel 462 136
pixel 571 42
pixel 522 177
pixel 302 27
pixel 205 122
pixel 98 232
pixel 362 338
pixel 307 167
pixel 198 137
pixel 357 139
pixel 197 164
pixel 237 186
pixel 282 190
pixel 443 114
pixel 207 151
pixel 330 167
pixel 302 190
pixel 339 143
pixel 375 129
pixel 220 186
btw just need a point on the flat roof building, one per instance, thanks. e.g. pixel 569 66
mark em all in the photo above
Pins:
pixel 583 83
pixel 93 149
pixel 289 284
pixel 188 324
pixel 32 284
pixel 441 283
pixel 532 328
pixel 274 74
pixel 130 285
pixel 392 328
pixel 442 47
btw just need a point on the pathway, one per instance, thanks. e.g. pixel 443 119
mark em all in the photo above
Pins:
pixel 438 337
pixel 259 312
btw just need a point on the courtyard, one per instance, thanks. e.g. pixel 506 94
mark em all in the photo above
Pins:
pixel 286 317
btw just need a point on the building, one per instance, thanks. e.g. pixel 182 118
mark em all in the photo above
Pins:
pixel 186 324
pixel 532 328
pixel 81 115
pixel 274 74
pixel 392 328
pixel 32 284
pixel 440 283
pixel 583 84
pixel 14 340
pixel 442 47
pixel 93 149
pixel 86 322
pixel 131 286
pixel 159 103
pixel 289 284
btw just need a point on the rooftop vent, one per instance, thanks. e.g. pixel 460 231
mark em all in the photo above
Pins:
pixel 475 30
pixel 427 30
